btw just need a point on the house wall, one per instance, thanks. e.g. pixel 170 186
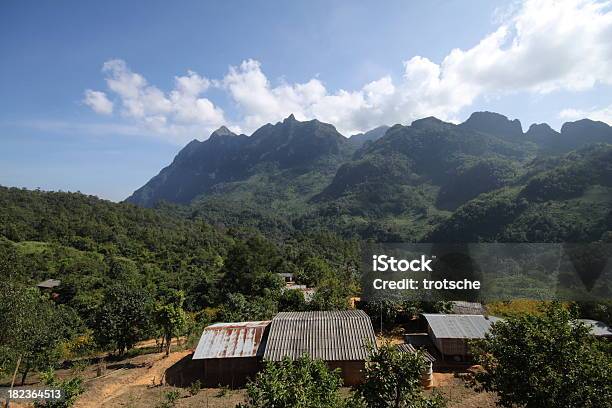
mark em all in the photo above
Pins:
pixel 351 371
pixel 235 372
pixel 454 347
pixel 450 347
pixel 231 372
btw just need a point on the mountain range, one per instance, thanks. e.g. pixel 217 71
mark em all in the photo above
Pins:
pixel 481 180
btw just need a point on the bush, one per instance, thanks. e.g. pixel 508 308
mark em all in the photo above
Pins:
pixel 71 389
pixel 195 387
pixel 170 398
pixel 393 379
pixel 301 383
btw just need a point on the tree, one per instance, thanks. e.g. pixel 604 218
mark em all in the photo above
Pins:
pixel 314 271
pixel 393 379
pixel 383 312
pixel 123 318
pixel 170 317
pixel 10 262
pixel 544 361
pixel 238 308
pixel 248 268
pixel 301 383
pixel 33 328
pixel 291 300
pixel 331 294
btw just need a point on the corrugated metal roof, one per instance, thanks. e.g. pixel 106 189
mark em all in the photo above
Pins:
pixel 331 336
pixel 598 328
pixel 469 308
pixel 229 340
pixel 49 284
pixel 454 326
pixel 409 348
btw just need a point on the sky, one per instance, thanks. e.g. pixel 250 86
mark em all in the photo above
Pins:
pixel 97 97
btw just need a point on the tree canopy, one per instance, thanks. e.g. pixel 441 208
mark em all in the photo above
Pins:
pixel 548 360
pixel 301 383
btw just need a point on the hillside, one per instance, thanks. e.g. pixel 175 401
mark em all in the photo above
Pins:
pixel 398 183
pixel 289 155
pixel 565 199
pixel 91 244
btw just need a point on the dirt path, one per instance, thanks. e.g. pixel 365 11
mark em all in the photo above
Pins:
pixel 136 372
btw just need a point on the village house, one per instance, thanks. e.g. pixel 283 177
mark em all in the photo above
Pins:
pixel 287 277
pixel 307 292
pixel 467 308
pixel 340 338
pixel 51 287
pixel 450 333
pixel 231 353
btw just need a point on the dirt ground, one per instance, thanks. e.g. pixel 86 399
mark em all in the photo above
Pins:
pixel 136 385
pixel 138 382
pixel 127 378
pixel 458 395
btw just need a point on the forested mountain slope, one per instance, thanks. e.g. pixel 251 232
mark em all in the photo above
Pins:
pixel 91 244
pixel 290 153
pixel 557 200
pixel 407 184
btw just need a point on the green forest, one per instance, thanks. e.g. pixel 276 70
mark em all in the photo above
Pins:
pixel 125 269
pixel 189 249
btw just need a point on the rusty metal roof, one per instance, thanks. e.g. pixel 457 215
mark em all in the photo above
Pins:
pixel 331 336
pixel 229 340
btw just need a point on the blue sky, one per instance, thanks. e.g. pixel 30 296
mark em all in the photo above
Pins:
pixel 98 97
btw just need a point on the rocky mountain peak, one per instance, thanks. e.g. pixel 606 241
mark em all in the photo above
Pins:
pixel 494 124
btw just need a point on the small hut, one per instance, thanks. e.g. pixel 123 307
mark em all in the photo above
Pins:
pixel 49 284
pixel 451 332
pixel 598 329
pixel 231 353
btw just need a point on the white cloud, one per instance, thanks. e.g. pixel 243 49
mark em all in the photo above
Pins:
pixel 98 102
pixel 546 45
pixel 179 115
pixel 602 114
pixel 539 47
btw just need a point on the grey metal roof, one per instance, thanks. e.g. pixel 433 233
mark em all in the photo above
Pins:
pixel 49 283
pixel 454 326
pixel 599 329
pixel 418 339
pixel 469 308
pixel 409 348
pixel 229 340
pixel 331 336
